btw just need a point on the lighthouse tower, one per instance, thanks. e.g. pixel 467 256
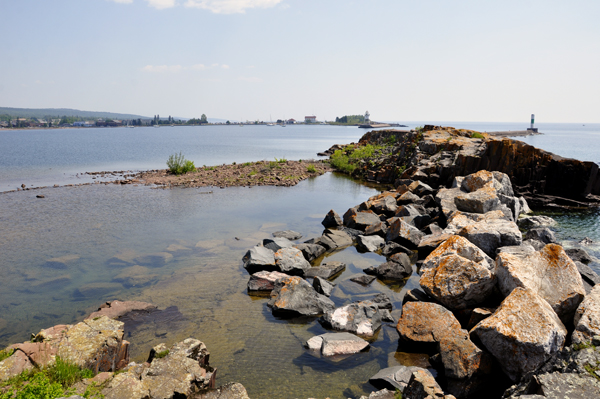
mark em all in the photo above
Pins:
pixel 532 129
pixel 367 117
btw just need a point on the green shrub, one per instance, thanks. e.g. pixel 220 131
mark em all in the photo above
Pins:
pixel 341 162
pixel 311 168
pixel 281 160
pixel 363 152
pixel 178 165
pixel 476 135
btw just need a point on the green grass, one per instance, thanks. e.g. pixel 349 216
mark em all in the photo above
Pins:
pixel 342 162
pixel 247 164
pixel 48 383
pixel 274 165
pixel 252 173
pixel 476 135
pixel 311 168
pixel 4 354
pixel 281 160
pixel 161 354
pixel 178 165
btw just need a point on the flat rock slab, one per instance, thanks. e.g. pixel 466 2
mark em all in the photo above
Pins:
pixel 426 322
pixel 370 243
pixel 529 222
pixel 332 344
pixel 116 309
pixel 396 377
pixel 289 234
pixel 363 280
pixel 311 251
pixel 258 259
pixel 264 280
pixel 550 273
pixel 275 244
pixel 522 334
pixel 568 385
pixel 334 239
pixel 489 235
pixel 326 270
pixel 157 259
pixel 227 391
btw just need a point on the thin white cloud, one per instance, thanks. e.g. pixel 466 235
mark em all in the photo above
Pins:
pixel 225 66
pixel 122 1
pixel 198 67
pixel 230 6
pixel 161 4
pixel 162 68
pixel 251 79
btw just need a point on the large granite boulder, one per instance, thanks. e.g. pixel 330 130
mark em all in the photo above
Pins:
pixel 397 268
pixel 15 365
pixel 529 222
pixel 362 318
pixel 587 317
pixel 359 220
pixel 259 258
pixel 332 219
pixel 334 239
pixel 550 273
pixel 542 234
pixel 293 296
pixel 480 201
pixel 522 334
pixel 403 233
pixel 430 242
pixel 264 280
pixel 458 275
pixel 384 206
pixel 291 261
pixel 489 235
pixel 426 322
pixel 332 344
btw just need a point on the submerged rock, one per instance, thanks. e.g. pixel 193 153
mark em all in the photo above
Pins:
pixel 327 270
pixel 289 234
pixel 363 318
pixel 333 344
pixel 294 296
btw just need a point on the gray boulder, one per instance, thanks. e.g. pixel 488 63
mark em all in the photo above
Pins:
pixel 587 274
pixel 291 261
pixel 363 280
pixel 359 220
pixel 396 377
pixel 421 189
pixel 334 239
pixel 327 270
pixel 259 258
pixel 489 235
pixel 568 385
pixel 332 219
pixel 542 234
pixel 403 233
pixel 311 251
pixel 530 222
pixel 408 198
pixel 335 344
pixel 522 334
pixel 370 243
pixel 579 255
pixel 322 286
pixel 479 201
pixel 587 317
pixel 397 268
pixel 362 318
pixel 384 206
pixel 293 296
pixel 549 273
pixel 275 244
pixel 380 229
pixel 422 385
pixel 264 280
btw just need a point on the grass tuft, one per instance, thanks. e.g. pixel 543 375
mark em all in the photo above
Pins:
pixel 178 165
pixel 476 135
pixel 311 168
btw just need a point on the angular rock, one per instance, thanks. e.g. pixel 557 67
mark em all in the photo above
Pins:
pixel 359 220
pixel 295 296
pixel 587 274
pixel 408 198
pixel 335 344
pixel 276 243
pixel 382 301
pixel 364 280
pixel 460 246
pixel 587 317
pixel 542 234
pixel 397 268
pixel 489 235
pixel 116 309
pixel 333 239
pixel 416 295
pixel 382 394
pixel 458 282
pixel 362 318
pixel 392 248
pixel 291 261
pixel 408 210
pixel 396 377
pixel 549 273
pixel 380 229
pixel 522 334
pixel 477 315
pixel 322 286
pixel 264 280
pixel 258 259
pixel 14 365
pixel 426 322
pixel 403 233
pixel 530 222
pixel 464 362
pixel 480 201
pixel 422 385
pixel 332 219
pixel 579 255
pixel 568 385
pixel 311 251
pixel 370 243
pixel 227 391
pixel 420 188
pixel 384 206
pixel 326 270
pixel 289 234
pixel 430 242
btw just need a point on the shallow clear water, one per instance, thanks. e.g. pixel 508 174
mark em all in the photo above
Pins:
pixel 206 231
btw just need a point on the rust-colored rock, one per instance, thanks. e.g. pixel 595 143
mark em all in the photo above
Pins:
pixel 426 322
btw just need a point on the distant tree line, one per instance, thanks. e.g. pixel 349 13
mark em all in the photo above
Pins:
pixel 350 119
pixel 197 121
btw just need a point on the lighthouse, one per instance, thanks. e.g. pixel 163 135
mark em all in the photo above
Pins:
pixel 367 117
pixel 532 129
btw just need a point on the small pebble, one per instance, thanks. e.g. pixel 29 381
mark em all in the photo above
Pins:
pixel 40 196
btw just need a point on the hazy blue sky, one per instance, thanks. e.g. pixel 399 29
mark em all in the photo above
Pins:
pixel 450 60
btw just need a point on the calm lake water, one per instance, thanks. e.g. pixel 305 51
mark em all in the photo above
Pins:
pixel 181 249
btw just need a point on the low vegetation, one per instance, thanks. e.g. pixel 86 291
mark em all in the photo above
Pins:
pixel 348 159
pixel 51 382
pixel 178 165
pixel 311 168
pixel 477 135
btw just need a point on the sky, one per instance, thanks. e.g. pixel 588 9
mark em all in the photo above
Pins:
pixel 402 60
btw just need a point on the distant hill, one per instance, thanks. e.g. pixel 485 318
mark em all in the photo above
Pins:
pixel 45 112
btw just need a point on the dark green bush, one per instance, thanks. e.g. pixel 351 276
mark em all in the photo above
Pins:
pixel 178 165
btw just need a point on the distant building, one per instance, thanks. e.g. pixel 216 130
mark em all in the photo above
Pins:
pixel 291 121
pixel 78 123
pixel 310 119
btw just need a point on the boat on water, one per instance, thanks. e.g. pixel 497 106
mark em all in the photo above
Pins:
pixel 271 121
